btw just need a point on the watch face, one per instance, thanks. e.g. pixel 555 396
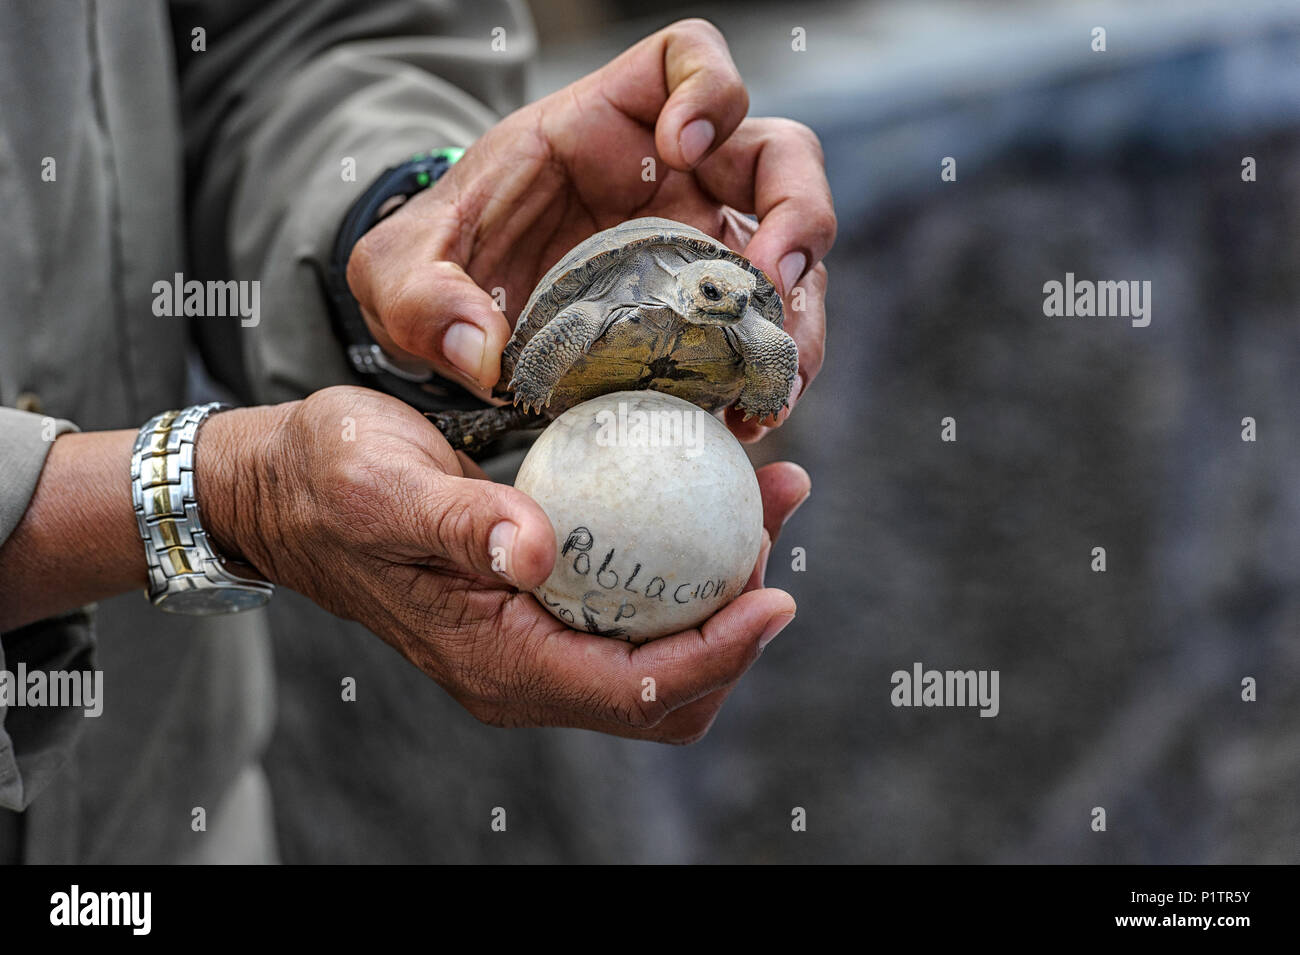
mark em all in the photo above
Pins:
pixel 213 600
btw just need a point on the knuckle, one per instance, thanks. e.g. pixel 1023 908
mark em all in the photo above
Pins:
pixel 453 524
pixel 791 130
pixel 360 263
pixel 351 477
pixel 357 503
pixel 444 272
pixel 453 527
pixel 824 226
pixel 698 28
pixel 416 315
pixel 804 134
pixel 734 92
pixel 330 397
pixel 402 316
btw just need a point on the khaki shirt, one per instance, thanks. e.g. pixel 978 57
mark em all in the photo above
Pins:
pixel 210 138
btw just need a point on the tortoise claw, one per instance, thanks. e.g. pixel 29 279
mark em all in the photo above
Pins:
pixel 764 417
pixel 521 398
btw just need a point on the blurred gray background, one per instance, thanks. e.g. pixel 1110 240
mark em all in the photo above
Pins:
pixel 1120 689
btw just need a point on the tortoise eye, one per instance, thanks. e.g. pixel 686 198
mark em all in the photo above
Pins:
pixel 710 291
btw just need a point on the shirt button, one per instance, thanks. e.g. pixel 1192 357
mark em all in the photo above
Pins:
pixel 29 401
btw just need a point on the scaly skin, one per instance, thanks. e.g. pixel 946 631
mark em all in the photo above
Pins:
pixel 551 353
pixel 475 431
pixel 771 363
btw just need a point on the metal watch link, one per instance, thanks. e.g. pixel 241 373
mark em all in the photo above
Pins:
pixel 185 573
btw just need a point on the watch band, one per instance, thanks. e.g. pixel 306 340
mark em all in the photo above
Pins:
pixel 420 388
pixel 185 573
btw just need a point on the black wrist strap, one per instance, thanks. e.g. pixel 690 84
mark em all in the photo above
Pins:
pixel 427 392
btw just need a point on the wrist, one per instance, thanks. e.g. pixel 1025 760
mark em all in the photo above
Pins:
pixel 77 541
pixel 374 356
pixel 235 475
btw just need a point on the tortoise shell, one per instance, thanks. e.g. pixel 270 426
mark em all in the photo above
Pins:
pixel 590 271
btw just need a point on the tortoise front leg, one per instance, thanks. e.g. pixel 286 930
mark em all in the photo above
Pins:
pixel 551 352
pixel 771 362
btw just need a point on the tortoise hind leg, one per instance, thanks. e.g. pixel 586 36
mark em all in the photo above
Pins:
pixel 551 352
pixel 474 431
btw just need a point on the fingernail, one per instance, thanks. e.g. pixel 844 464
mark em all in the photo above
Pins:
pixel 774 626
pixel 791 267
pixel 464 346
pixel 501 546
pixel 764 553
pixel 695 140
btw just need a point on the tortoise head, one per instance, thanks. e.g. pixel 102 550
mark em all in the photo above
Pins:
pixel 713 292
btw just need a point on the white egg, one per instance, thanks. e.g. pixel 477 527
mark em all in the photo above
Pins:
pixel 657 513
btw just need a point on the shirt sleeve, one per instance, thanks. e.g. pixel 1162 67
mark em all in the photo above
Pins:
pixel 35 742
pixel 25 441
pixel 292 109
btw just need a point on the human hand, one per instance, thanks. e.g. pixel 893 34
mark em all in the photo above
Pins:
pixel 567 166
pixel 355 500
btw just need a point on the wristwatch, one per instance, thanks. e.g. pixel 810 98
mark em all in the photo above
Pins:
pixel 419 387
pixel 186 575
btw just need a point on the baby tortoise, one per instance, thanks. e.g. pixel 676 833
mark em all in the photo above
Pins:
pixel 650 304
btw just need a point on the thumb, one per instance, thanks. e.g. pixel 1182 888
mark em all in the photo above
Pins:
pixel 488 529
pixel 428 309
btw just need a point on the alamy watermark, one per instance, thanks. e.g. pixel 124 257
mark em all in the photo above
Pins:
pixel 922 687
pixel 56 688
pixel 1087 299
pixel 133 910
pixel 177 297
pixel 656 428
